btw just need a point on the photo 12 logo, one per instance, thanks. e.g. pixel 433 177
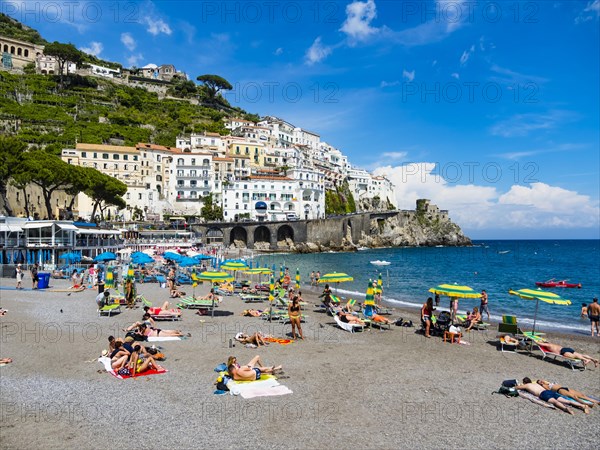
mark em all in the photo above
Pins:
pixel 469 92
pixel 72 12
pixel 288 92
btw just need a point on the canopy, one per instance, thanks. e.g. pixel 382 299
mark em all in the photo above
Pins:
pixel 234 266
pixel 187 262
pixel 370 298
pixel 106 256
pixel 537 295
pixel 335 277
pixel 455 290
pixel 141 258
pixel 215 276
pixel 70 257
pixel 172 256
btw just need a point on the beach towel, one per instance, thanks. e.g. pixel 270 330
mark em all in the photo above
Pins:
pixel 106 362
pixel 532 398
pixel 163 338
pixel 278 341
pixel 267 386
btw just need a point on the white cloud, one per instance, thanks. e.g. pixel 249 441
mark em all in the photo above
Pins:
pixel 466 55
pixel 278 51
pixel 434 63
pixel 134 60
pixel 156 26
pixel 474 207
pixel 455 75
pixel 514 78
pixel 385 84
pixel 359 16
pixel 408 76
pixel 128 41
pixel 394 155
pixel 592 9
pixel 524 124
pixel 94 49
pixel 317 52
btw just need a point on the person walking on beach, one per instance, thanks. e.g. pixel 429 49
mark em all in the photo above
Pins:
pixel 129 293
pixel 34 276
pixel 426 314
pixel 312 278
pixel 594 315
pixel 453 308
pixel 19 276
pixel 484 304
pixel 295 314
pixel 317 277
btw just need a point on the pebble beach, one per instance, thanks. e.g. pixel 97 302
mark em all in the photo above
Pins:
pixel 372 389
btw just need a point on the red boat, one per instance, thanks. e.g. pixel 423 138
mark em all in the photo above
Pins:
pixel 557 284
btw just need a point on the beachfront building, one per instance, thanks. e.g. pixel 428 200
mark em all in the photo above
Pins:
pixel 192 179
pixel 281 130
pixel 16 54
pixel 44 241
pixel 383 189
pixel 272 198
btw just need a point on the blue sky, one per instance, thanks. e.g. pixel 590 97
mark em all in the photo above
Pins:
pixel 491 109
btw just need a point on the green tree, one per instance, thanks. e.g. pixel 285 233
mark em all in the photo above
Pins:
pixel 49 172
pixel 63 53
pixel 105 190
pixel 11 152
pixel 211 211
pixel 213 84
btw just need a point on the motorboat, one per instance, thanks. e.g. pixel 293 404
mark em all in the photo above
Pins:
pixel 557 284
pixel 380 263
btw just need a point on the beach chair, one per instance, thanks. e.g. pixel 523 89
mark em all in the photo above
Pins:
pixel 196 303
pixel 546 353
pixel 367 315
pixel 505 347
pixel 174 313
pixel 252 298
pixel 109 310
pixel 350 327
pixel 481 325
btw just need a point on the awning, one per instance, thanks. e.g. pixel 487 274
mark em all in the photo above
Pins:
pixel 67 226
pixel 96 231
pixel 4 227
pixel 34 225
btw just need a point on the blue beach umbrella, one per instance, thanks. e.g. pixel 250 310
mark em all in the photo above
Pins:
pixel 70 257
pixel 173 256
pixel 106 256
pixel 187 262
pixel 141 258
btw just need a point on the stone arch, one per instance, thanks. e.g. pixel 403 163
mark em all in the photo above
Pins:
pixel 284 233
pixel 239 237
pixel 19 51
pixel 214 236
pixel 262 237
pixel 12 49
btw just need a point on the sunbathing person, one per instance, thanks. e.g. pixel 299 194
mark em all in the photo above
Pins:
pixel 119 356
pixel 255 339
pixel 252 312
pixel 175 293
pixel 140 363
pixel 474 318
pixel 349 318
pixel 550 397
pixel 155 332
pixel 5 361
pixel 164 310
pixel 570 353
pixel 575 395
pixel 249 373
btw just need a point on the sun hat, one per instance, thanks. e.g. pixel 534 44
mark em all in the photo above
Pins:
pixel 128 339
pixel 104 352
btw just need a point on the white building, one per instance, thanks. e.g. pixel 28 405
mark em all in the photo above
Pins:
pixel 270 198
pixel 104 71
pixel 213 142
pixel 48 65
pixel 192 179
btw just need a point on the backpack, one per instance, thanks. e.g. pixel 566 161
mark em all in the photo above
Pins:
pixel 510 383
pixel 222 382
pixel 507 391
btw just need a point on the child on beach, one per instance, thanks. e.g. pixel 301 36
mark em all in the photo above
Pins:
pixel 19 276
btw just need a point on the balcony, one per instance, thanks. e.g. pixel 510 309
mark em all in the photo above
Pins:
pixel 198 187
pixel 193 177
pixel 47 242
pixel 193 166
pixel 188 199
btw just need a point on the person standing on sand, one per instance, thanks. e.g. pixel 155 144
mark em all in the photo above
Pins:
pixel 19 276
pixel 34 276
pixel 437 300
pixel 312 278
pixel 594 315
pixel 484 304
pixel 453 308
pixel 129 293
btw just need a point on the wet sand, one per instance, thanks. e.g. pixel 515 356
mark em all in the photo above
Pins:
pixel 375 389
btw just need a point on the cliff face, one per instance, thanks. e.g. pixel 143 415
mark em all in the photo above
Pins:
pixel 413 230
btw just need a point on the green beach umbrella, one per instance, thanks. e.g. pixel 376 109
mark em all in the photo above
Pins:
pixel 537 295
pixel 379 287
pixel 215 277
pixel 234 266
pixel 297 278
pixel 455 290
pixel 108 281
pixel 271 296
pixel 130 272
pixel 335 277
pixel 260 271
pixel 369 298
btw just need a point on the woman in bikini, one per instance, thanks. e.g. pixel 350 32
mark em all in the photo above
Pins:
pixel 426 313
pixel 295 313
pixel 139 362
pixel 575 395
pixel 143 329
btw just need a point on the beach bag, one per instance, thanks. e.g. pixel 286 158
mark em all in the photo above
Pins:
pixel 507 391
pixel 510 383
pixel 124 371
pixel 222 383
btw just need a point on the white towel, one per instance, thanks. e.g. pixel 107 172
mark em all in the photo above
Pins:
pixel 106 362
pixel 260 388
pixel 163 338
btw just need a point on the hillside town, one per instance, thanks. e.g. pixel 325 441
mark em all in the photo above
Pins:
pixel 269 170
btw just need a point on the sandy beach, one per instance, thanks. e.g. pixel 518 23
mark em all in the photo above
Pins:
pixel 375 389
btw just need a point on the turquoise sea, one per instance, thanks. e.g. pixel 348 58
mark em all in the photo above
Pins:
pixel 494 265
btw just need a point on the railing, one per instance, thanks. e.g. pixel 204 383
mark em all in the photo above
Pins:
pixel 11 242
pixel 48 242
pixel 193 177
pixel 188 199
pixel 98 242
pixel 194 166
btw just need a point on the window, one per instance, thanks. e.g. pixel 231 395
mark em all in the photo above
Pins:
pixel 105 165
pixel 125 167
pixel 192 173
pixel 193 194
pixel 193 183
pixel 193 161
pixel 116 156
pixel 140 196
pixel 95 155
pixel 104 155
pixel 179 194
pixel 116 167
pixel 135 168
pixel 135 157
pixel 179 182
pixel 83 154
pixel 158 158
pixel 150 196
pixel 158 168
pixel 69 161
pixel 128 196
pixel 125 157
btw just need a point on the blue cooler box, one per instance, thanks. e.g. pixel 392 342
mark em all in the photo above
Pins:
pixel 44 280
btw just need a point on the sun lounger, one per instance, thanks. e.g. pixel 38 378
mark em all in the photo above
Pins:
pixel 196 303
pixel 367 316
pixel 250 298
pixel 481 325
pixel 350 327
pixel 109 310
pixel 572 362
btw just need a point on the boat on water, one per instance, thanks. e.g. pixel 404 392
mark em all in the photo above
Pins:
pixel 557 284
pixel 381 263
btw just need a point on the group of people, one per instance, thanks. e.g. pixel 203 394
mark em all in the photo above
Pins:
pixel 559 396
pixel 129 358
pixel 20 274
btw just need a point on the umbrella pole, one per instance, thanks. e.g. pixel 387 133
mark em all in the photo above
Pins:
pixel 537 304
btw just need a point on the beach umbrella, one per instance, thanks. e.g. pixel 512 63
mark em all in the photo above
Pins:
pixel 106 256
pixel 455 290
pixel 260 271
pixel 70 257
pixel 130 272
pixel 234 266
pixel 271 296
pixel 141 258
pixel 336 278
pixel 187 262
pixel 215 277
pixel 176 257
pixel 297 279
pixel 370 298
pixel 108 280
pixel 537 295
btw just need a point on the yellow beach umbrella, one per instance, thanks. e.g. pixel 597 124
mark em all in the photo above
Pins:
pixel 537 295
pixel 130 272
pixel 455 290
pixel 370 298
pixel 108 281
pixel 297 279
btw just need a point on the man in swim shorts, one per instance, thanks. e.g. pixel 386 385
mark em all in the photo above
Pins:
pixel 550 397
pixel 594 315
pixel 569 353
pixel 562 390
